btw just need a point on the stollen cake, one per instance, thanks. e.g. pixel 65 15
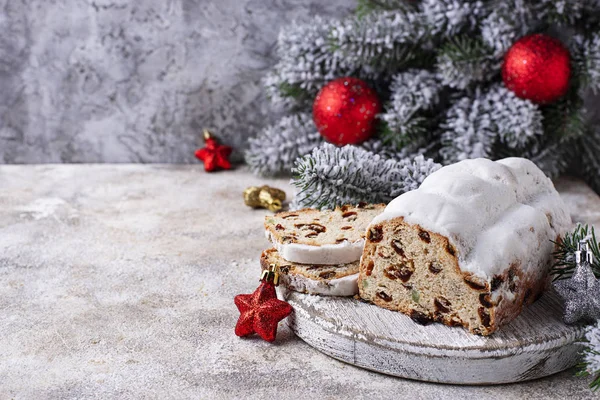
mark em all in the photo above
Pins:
pixel 470 247
pixel 328 280
pixel 329 237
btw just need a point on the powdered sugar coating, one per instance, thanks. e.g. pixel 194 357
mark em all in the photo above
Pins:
pixel 344 286
pixel 327 254
pixel 491 211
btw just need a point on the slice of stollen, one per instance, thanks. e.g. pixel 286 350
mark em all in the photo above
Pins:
pixel 329 237
pixel 328 280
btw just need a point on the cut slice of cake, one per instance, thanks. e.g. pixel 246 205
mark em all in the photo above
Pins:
pixel 328 237
pixel 329 280
pixel 470 247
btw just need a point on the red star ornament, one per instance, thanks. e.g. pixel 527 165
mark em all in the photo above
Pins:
pixel 213 154
pixel 260 312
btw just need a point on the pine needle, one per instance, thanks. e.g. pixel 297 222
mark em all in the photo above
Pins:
pixel 565 252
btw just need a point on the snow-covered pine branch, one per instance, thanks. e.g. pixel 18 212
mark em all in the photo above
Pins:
pixel 385 150
pixel 562 11
pixel 449 17
pixel 499 32
pixel 380 42
pixel 275 149
pixel 523 13
pixel 467 131
pixel 332 176
pixel 306 62
pixel 452 45
pixel 474 124
pixel 413 92
pixel 586 56
pixel 476 55
pixel 516 121
pixel 464 60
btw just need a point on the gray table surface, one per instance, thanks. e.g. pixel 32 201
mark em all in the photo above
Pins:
pixel 117 281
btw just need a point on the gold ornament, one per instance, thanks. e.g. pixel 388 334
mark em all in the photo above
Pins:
pixel 271 274
pixel 264 197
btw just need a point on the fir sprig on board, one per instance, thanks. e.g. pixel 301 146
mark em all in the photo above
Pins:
pixel 565 252
pixel 590 366
pixel 563 269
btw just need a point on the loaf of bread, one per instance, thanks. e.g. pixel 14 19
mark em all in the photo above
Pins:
pixel 470 247
pixel 328 280
pixel 329 237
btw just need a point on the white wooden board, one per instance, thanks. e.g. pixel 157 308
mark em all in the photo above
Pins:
pixel 534 345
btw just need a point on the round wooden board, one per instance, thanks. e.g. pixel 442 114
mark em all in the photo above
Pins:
pixel 534 345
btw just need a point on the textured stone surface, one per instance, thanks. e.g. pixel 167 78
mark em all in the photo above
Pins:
pixel 118 282
pixel 135 81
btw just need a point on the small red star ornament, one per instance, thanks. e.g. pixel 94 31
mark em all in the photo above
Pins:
pixel 213 154
pixel 261 311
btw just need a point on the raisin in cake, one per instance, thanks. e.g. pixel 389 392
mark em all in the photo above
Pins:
pixel 470 247
pixel 328 237
pixel 329 280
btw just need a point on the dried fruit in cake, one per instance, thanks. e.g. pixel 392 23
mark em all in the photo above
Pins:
pixel 329 280
pixel 321 237
pixel 472 246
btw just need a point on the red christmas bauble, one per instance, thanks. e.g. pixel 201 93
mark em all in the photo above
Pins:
pixel 344 111
pixel 537 67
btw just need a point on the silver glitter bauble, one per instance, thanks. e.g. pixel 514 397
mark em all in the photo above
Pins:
pixel 581 294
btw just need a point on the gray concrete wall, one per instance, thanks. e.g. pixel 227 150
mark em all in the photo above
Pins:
pixel 135 80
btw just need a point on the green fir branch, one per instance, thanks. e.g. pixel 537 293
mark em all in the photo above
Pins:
pixel 583 372
pixel 564 13
pixel 381 42
pixel 414 130
pixel 277 146
pixel 293 90
pixel 585 60
pixel 400 56
pixel 566 247
pixel 464 60
pixel 449 18
pixel 464 49
pixel 565 118
pixel 410 116
pixel 418 131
